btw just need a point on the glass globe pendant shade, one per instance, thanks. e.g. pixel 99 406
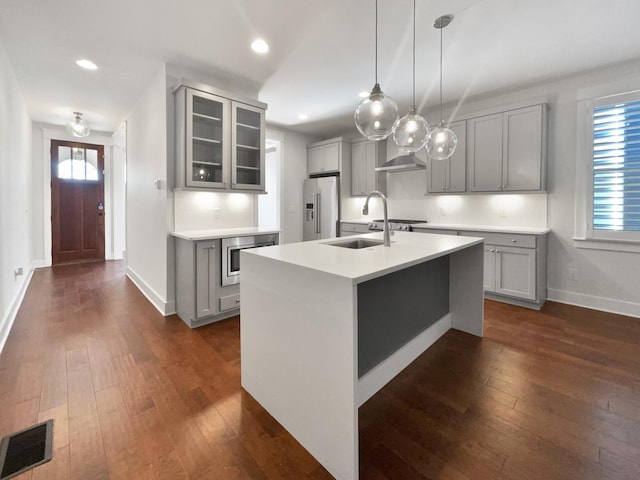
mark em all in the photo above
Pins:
pixel 376 115
pixel 78 128
pixel 410 132
pixel 441 143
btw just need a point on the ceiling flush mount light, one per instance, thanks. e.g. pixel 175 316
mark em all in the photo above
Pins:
pixel 441 141
pixel 410 132
pixel 303 116
pixel 376 114
pixel 259 46
pixel 78 128
pixel 86 64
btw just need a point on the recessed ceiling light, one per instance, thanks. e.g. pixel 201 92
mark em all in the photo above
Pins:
pixel 259 46
pixel 86 64
pixel 303 116
pixel 364 94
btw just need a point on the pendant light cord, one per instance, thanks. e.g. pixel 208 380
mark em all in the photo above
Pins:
pixel 413 101
pixel 441 28
pixel 376 43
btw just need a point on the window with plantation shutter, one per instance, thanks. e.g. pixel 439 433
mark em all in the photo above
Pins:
pixel 616 169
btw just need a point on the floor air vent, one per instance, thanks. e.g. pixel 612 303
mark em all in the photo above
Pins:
pixel 25 449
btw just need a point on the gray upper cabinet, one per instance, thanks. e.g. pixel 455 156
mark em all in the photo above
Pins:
pixel 248 140
pixel 325 157
pixel 220 142
pixel 366 155
pixel 507 151
pixel 446 176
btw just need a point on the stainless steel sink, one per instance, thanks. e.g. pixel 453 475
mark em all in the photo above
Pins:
pixel 356 243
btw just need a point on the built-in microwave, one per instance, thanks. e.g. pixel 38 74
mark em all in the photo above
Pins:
pixel 231 248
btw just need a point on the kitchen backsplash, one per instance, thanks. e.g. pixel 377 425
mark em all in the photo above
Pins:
pixel 407 200
pixel 212 210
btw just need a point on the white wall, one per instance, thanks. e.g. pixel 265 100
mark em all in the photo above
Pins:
pixel 149 247
pixel 15 185
pixel 117 210
pixel 294 167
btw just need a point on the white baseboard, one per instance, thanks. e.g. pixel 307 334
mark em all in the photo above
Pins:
pixel 7 321
pixel 605 304
pixel 40 263
pixel 164 307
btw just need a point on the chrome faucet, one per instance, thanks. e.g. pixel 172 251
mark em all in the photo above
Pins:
pixel 365 211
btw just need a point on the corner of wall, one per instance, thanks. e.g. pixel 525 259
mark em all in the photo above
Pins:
pixel 6 322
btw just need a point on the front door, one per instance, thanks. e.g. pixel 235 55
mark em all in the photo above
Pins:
pixel 77 202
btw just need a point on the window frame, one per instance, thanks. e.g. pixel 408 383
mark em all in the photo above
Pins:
pixel 599 235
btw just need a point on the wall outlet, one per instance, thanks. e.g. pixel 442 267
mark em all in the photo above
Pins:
pixel 18 271
pixel 216 213
pixel 443 212
pixel 502 213
pixel 573 273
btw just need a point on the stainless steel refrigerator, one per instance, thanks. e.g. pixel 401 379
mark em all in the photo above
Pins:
pixel 321 208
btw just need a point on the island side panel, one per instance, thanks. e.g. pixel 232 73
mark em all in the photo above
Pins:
pixel 466 289
pixel 298 353
pixel 395 308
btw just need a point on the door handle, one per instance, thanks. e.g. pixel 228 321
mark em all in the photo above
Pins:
pixel 319 214
pixel 100 209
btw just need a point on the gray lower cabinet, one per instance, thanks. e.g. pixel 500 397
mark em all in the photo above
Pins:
pixel 353 228
pixel 515 265
pixel 510 271
pixel 200 296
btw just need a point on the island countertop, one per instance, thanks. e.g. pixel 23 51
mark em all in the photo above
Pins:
pixel 360 265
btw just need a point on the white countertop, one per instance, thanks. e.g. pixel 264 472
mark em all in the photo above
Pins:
pixel 406 249
pixel 484 228
pixel 195 235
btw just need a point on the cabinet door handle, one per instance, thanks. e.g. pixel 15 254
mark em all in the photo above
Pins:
pixel 513 240
pixel 212 247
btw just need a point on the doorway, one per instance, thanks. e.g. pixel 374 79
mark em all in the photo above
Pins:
pixel 77 202
pixel 269 203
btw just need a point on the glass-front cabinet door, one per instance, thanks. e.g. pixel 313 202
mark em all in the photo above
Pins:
pixel 247 154
pixel 207 137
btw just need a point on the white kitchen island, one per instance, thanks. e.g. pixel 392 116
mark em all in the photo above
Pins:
pixel 323 327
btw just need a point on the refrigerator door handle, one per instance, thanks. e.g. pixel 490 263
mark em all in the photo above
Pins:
pixel 318 213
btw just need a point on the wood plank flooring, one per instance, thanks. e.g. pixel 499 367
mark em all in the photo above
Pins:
pixel 544 395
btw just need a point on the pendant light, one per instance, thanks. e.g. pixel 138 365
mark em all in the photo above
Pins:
pixel 377 113
pixel 410 132
pixel 441 141
pixel 78 128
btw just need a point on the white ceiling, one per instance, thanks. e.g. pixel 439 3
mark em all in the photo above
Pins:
pixel 321 55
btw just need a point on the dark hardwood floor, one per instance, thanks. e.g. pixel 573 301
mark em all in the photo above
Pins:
pixel 544 395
